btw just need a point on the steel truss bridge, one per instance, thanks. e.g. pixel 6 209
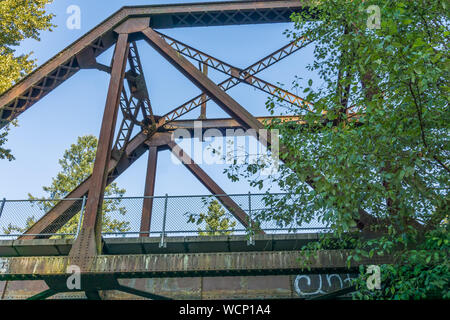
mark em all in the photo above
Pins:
pixel 100 264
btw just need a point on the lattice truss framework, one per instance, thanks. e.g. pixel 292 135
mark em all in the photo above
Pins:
pixel 135 107
pixel 128 93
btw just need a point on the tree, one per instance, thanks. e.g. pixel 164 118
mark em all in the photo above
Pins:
pixel 19 20
pixel 76 165
pixel 376 150
pixel 5 153
pixel 215 219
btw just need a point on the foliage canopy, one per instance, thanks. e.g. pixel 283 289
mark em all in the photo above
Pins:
pixel 19 20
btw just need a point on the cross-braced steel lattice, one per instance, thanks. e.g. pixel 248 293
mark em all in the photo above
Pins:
pixel 117 151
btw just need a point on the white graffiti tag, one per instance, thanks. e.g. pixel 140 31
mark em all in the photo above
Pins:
pixel 299 288
pixel 321 283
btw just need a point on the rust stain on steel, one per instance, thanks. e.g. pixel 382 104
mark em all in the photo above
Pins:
pixel 23 289
pixel 89 240
pixel 20 290
pixel 229 123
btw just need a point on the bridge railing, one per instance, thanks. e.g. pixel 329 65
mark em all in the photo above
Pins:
pixel 189 215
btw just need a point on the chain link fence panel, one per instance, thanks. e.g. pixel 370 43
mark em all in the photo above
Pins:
pixel 197 215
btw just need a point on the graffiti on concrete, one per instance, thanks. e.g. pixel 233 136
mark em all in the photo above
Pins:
pixel 315 284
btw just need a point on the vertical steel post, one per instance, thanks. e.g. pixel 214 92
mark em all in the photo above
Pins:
pixel 89 242
pixel 83 204
pixel 251 240
pixel 162 243
pixel 147 206
pixel 2 205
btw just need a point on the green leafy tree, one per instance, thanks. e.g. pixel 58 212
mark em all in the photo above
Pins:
pixel 376 147
pixel 216 221
pixel 19 20
pixel 76 166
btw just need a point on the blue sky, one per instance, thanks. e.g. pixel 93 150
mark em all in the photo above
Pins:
pixel 75 108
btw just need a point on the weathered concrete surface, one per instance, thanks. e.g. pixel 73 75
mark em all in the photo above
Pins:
pixel 184 265
pixel 202 267
pixel 196 288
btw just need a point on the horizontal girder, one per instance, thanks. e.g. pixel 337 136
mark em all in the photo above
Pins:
pixel 223 124
pixel 150 245
pixel 185 264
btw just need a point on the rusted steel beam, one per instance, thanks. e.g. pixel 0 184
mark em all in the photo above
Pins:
pixel 230 106
pixel 224 13
pixel 131 105
pixel 138 88
pixel 186 265
pixel 159 140
pixel 229 123
pixel 63 65
pixel 54 72
pixel 60 214
pixel 138 101
pixel 89 240
pixel 130 110
pixel 231 82
pixel 211 185
pixel 224 124
pixel 222 99
pixel 149 192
